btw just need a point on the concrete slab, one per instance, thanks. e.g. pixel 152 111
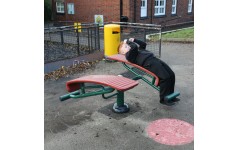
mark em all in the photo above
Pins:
pixel 89 124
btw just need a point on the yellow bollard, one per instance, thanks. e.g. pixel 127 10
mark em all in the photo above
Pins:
pixel 111 39
pixel 77 25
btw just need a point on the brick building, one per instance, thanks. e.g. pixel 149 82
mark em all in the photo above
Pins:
pixel 165 12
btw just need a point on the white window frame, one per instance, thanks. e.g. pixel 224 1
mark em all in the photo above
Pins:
pixel 59 7
pixel 190 6
pixel 143 8
pixel 174 7
pixel 159 7
pixel 70 7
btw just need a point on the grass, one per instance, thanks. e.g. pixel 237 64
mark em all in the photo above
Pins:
pixel 185 33
pixel 180 34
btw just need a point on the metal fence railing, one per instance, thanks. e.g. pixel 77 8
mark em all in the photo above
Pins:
pixel 64 42
pixel 70 41
pixel 149 33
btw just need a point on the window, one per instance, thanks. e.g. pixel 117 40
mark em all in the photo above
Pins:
pixel 174 5
pixel 70 8
pixel 190 4
pixel 59 7
pixel 160 7
pixel 143 8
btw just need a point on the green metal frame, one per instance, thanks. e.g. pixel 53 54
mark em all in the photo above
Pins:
pixel 83 93
pixel 119 106
pixel 139 74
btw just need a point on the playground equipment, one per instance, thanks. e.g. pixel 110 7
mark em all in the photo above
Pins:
pixel 105 84
pixel 142 73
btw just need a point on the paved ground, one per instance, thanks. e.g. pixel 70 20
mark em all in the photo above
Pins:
pixel 89 124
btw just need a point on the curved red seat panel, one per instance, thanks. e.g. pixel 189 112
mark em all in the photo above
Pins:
pixel 122 58
pixel 116 82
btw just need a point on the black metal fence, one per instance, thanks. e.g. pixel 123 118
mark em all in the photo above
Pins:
pixel 149 33
pixel 70 41
pixel 64 42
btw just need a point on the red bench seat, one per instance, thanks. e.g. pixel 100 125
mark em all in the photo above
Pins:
pixel 122 58
pixel 116 82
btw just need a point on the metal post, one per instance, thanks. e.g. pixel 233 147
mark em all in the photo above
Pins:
pixel 120 106
pixel 160 44
pixel 95 37
pixel 98 37
pixel 62 35
pixel 91 37
pixel 49 31
pixel 120 99
pixel 82 88
pixel 77 31
pixel 88 38
pixel 144 35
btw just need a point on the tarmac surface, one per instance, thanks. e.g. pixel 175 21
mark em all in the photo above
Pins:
pixel 90 124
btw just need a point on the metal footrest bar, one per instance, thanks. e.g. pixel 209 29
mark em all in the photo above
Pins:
pixel 83 93
pixel 171 96
pixel 107 97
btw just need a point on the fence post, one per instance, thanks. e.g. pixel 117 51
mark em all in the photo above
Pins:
pixel 91 37
pixel 160 43
pixel 95 36
pixel 62 35
pixel 77 31
pixel 88 38
pixel 144 35
pixel 98 37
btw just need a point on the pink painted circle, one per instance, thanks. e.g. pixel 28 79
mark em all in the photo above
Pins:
pixel 171 131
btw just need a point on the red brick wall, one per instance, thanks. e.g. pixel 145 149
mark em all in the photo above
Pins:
pixel 86 9
pixel 182 10
pixel 110 9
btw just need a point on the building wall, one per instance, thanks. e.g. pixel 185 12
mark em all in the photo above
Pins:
pixel 85 10
pixel 168 19
pixel 110 9
pixel 126 8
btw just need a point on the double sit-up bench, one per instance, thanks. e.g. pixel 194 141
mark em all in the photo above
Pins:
pixel 105 84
